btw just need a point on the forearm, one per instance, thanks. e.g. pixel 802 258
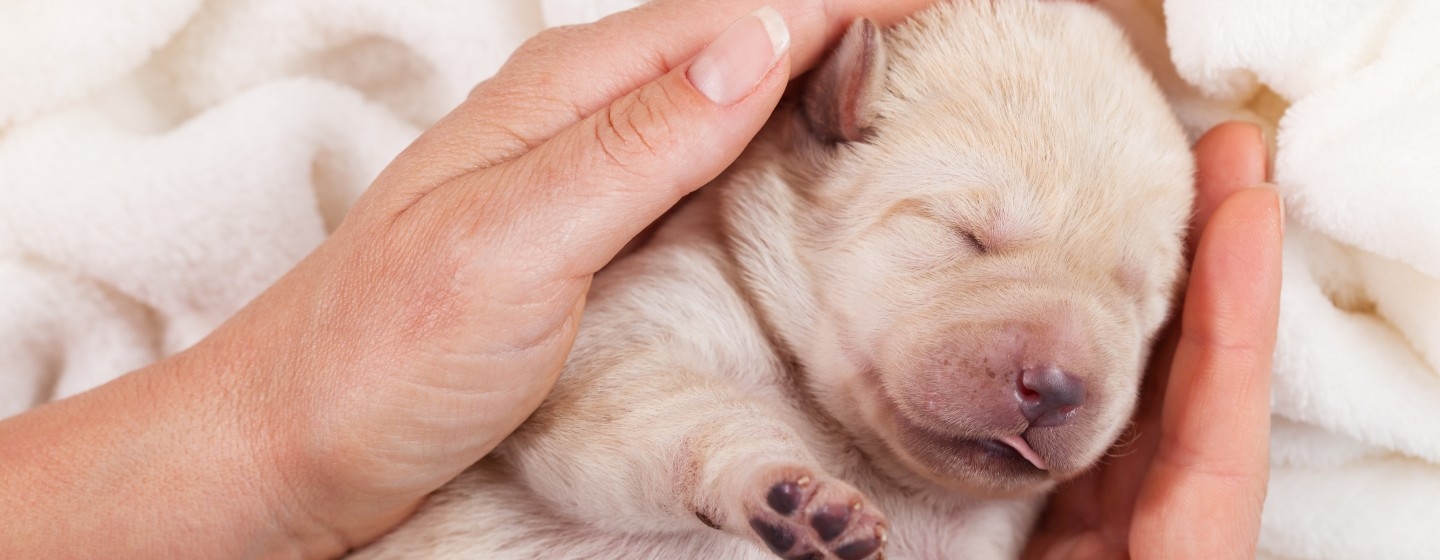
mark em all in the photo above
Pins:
pixel 161 463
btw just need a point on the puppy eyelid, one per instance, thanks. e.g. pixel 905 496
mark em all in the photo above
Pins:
pixel 974 241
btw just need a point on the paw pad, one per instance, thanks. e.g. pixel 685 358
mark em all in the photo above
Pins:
pixel 817 517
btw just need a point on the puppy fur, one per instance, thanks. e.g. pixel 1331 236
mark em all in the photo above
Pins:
pixel 820 354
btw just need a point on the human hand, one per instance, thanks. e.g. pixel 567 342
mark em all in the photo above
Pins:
pixel 1191 482
pixel 437 316
pixel 440 313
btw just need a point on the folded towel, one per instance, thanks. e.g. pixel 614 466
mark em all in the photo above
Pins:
pixel 1351 89
pixel 160 164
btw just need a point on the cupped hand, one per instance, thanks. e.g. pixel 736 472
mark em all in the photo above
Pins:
pixel 1189 479
pixel 439 314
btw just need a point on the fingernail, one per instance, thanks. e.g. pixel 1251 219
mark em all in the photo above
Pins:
pixel 1280 203
pixel 1259 133
pixel 731 67
pixel 1264 147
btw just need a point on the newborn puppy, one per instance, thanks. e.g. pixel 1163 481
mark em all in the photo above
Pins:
pixel 922 298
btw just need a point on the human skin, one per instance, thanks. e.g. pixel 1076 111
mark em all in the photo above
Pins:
pixel 1188 480
pixel 438 315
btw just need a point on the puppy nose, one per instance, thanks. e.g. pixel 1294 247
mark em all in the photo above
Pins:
pixel 1049 396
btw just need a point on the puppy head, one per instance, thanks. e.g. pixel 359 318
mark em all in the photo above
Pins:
pixel 995 197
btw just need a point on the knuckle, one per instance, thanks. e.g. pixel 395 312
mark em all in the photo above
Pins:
pixel 532 64
pixel 550 39
pixel 509 120
pixel 526 62
pixel 638 126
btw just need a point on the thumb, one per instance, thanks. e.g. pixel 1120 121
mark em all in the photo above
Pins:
pixel 579 197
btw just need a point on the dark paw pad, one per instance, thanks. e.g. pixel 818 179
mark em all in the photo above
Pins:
pixel 816 517
pixel 777 537
pixel 830 520
pixel 785 496
pixel 857 550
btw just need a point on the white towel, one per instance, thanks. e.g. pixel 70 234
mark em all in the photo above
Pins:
pixel 161 163
pixel 1351 91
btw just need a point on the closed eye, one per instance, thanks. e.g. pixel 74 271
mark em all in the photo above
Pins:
pixel 974 241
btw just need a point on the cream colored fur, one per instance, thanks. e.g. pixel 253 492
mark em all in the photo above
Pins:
pixel 783 322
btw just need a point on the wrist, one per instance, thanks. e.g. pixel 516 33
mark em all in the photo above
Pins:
pixel 158 463
pixel 252 430
pixel 293 389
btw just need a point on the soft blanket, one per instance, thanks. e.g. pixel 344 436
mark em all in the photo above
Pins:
pixel 161 163
pixel 1349 91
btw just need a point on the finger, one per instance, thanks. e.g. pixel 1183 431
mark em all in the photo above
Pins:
pixel 566 74
pixel 572 203
pixel 1229 157
pixel 1227 333
pixel 1205 490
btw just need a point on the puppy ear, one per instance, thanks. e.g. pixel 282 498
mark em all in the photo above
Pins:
pixel 838 98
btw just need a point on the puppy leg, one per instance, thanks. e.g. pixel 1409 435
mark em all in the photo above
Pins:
pixel 646 448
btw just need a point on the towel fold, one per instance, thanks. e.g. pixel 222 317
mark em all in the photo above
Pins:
pixel 1351 91
pixel 160 164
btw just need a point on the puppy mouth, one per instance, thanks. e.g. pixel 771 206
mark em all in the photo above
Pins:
pixel 1010 456
pixel 1017 442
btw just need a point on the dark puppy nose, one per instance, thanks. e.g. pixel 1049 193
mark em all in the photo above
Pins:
pixel 1049 396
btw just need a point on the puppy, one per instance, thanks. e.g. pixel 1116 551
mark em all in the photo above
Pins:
pixel 921 298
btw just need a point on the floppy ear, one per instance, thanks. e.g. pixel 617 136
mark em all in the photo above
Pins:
pixel 837 99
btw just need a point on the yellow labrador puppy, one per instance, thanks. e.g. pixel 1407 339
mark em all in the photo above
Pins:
pixel 922 298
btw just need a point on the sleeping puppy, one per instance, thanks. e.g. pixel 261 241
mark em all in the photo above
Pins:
pixel 922 298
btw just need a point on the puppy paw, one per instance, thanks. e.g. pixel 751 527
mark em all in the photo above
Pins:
pixel 801 514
